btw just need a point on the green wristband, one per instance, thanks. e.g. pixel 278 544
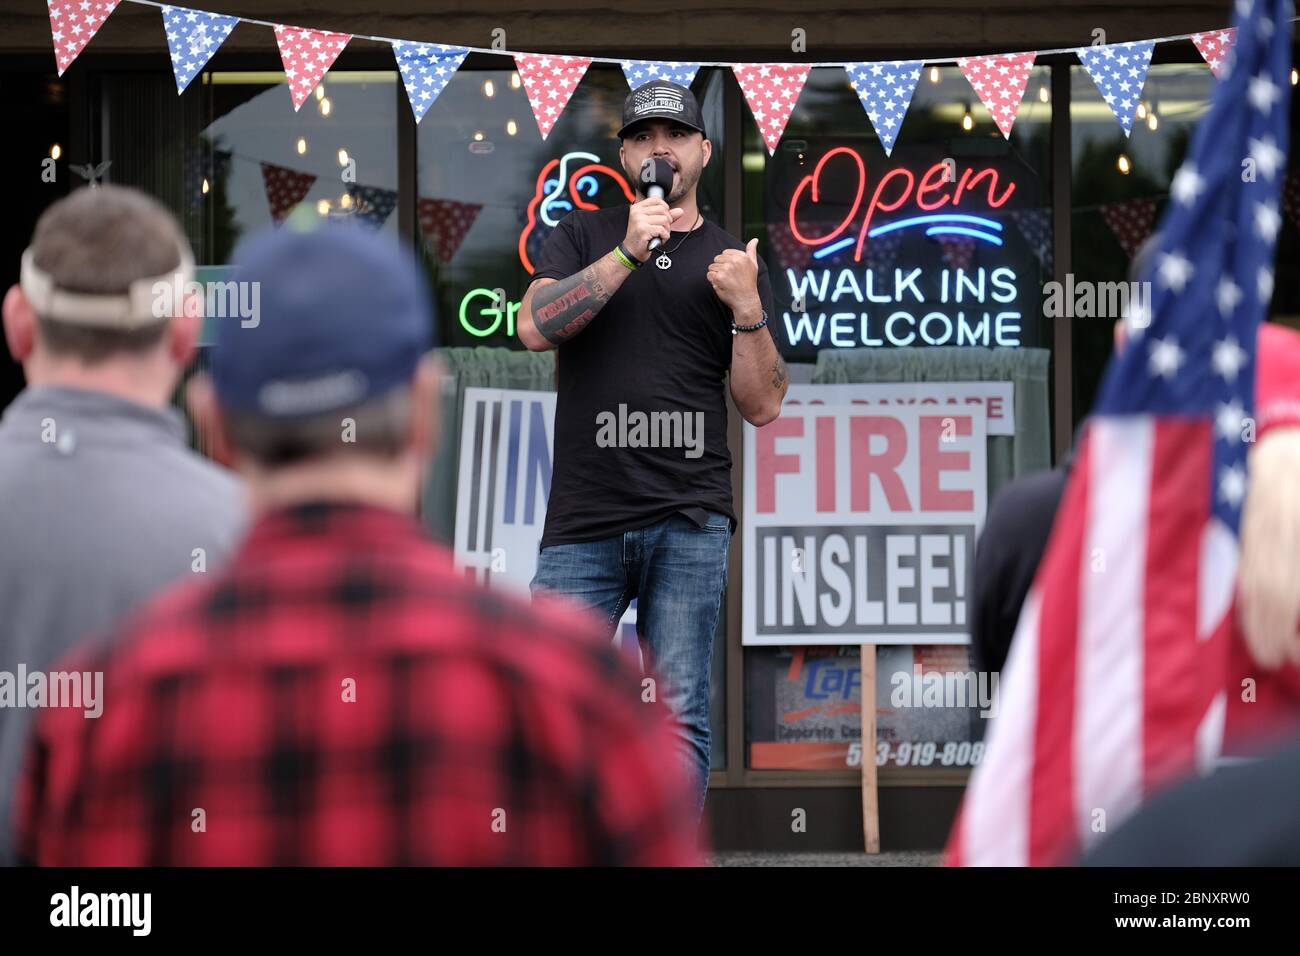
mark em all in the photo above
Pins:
pixel 624 258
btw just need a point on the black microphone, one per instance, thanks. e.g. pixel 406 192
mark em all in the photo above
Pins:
pixel 657 177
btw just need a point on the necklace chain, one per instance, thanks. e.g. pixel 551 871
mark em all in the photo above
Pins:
pixel 663 260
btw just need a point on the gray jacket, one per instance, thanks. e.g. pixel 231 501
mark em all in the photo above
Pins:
pixel 102 504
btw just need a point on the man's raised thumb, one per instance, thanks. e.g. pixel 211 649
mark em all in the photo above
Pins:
pixel 752 251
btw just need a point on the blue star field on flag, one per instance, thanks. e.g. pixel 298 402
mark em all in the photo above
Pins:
pixel 885 89
pixel 640 72
pixel 372 204
pixel 192 37
pixel 1192 353
pixel 426 69
pixel 1120 72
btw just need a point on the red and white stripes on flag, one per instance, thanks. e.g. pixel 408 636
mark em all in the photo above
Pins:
pixel 1115 680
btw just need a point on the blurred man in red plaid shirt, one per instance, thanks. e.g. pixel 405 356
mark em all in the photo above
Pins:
pixel 340 695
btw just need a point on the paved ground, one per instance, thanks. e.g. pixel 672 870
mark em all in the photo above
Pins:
pixel 826 859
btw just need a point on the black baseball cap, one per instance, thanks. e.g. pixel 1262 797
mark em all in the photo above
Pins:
pixel 660 99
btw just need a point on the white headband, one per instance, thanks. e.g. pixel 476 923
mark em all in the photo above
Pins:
pixel 130 310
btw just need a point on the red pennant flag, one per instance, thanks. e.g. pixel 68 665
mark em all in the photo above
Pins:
pixel 73 23
pixel 444 223
pixel 1131 221
pixel 285 188
pixel 549 81
pixel 957 251
pixel 1000 82
pixel 1216 48
pixel 307 55
pixel 789 250
pixel 771 90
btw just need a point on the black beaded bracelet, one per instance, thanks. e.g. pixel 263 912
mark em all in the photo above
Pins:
pixel 748 328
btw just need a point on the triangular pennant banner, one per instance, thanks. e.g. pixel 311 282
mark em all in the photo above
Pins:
pixel 307 56
pixel 957 251
pixel 1036 226
pixel 640 72
pixel 885 90
pixel 789 250
pixel 1000 83
pixel 192 37
pixel 771 90
pixel 73 23
pixel 426 69
pixel 285 188
pixel 444 223
pixel 1216 47
pixel 203 162
pixel 1131 221
pixel 372 205
pixel 882 250
pixel 1120 72
pixel 549 81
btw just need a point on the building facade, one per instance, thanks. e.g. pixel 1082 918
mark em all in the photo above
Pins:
pixel 475 188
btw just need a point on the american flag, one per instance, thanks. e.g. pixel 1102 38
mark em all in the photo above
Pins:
pixel 1116 680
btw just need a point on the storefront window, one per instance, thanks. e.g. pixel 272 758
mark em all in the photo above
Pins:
pixel 919 263
pixel 1120 188
pixel 491 190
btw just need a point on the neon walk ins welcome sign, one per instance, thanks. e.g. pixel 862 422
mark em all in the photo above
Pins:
pixel 918 258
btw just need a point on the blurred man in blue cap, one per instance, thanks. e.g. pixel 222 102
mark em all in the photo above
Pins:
pixel 341 695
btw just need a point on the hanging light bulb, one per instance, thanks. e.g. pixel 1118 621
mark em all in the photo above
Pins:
pixel 511 127
pixel 489 89
pixel 323 207
pixel 343 157
pixel 1152 122
pixel 302 146
pixel 478 135
pixel 346 200
pixel 934 74
pixel 1295 76
pixel 967 121
pixel 1142 111
pixel 320 92
pixel 1123 165
pixel 205 185
pixel 514 80
pixel 325 107
pixel 1043 95
pixel 56 151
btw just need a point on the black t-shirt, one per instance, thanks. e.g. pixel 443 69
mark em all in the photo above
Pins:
pixel 649 369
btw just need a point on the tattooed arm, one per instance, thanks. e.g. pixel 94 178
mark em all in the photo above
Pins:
pixel 555 310
pixel 758 375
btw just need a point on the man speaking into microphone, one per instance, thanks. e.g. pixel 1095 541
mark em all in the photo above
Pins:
pixel 653 310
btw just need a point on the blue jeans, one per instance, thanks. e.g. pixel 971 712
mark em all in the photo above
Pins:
pixel 677 571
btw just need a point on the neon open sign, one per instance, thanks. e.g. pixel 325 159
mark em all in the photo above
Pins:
pixel 936 182
pixel 901 306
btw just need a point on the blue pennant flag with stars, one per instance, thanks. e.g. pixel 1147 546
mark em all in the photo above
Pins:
pixel 426 69
pixel 372 205
pixel 1120 72
pixel 192 37
pixel 640 72
pixel 1192 354
pixel 885 89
